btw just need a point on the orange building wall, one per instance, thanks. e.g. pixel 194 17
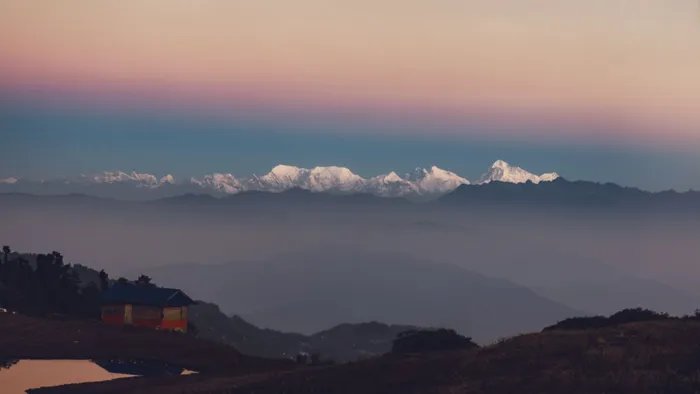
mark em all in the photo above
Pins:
pixel 173 318
pixel 113 314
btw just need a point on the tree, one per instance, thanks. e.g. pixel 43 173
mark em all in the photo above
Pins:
pixel 50 287
pixel 6 251
pixel 624 316
pixel 144 280
pixel 315 358
pixel 104 280
pixel 302 358
pixel 418 341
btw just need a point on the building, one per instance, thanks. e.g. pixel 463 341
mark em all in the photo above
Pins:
pixel 146 306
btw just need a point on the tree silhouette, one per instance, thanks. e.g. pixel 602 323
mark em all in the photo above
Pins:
pixel 629 315
pixel 52 287
pixel 6 252
pixel 418 341
pixel 144 280
pixel 104 280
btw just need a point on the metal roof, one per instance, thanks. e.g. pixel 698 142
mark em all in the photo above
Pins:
pixel 145 295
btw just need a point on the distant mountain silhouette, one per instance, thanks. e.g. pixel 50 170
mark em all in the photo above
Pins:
pixel 558 192
pixel 565 192
pixel 291 196
pixel 121 191
pixel 307 292
pixel 345 342
pixel 591 263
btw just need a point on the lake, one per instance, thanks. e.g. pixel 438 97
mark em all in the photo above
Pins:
pixel 17 376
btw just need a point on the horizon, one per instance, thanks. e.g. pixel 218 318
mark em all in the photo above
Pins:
pixel 138 178
pixel 599 90
pixel 160 179
pixel 240 176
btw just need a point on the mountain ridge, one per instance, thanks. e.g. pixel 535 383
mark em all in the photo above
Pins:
pixel 560 191
pixel 298 285
pixel 421 182
pixel 340 343
pixel 501 171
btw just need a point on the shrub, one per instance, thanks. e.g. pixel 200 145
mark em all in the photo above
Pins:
pixel 417 341
pixel 624 316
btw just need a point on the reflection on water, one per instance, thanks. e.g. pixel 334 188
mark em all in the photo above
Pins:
pixel 17 376
pixel 29 374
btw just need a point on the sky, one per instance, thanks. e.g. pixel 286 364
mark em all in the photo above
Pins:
pixel 606 90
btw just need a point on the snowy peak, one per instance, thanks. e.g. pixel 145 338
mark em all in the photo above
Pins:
pixel 140 179
pixel 285 175
pixel 119 176
pixel 386 179
pixel 167 179
pixel 390 185
pixel 422 183
pixel 284 171
pixel 9 181
pixel 282 177
pixel 136 178
pixel 392 177
pixel 435 180
pixel 502 164
pixel 333 178
pixel 501 171
pixel 223 183
pixel 318 179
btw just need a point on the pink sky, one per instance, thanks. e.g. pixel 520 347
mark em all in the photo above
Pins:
pixel 630 64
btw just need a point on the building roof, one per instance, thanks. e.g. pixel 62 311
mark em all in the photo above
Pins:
pixel 145 295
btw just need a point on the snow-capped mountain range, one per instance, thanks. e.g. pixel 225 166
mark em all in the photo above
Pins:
pixel 9 181
pixel 140 179
pixel 501 171
pixel 433 181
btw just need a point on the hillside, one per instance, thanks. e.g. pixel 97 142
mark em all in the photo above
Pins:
pixel 23 337
pixel 306 293
pixel 345 342
pixel 639 358
pixel 632 351
pixel 44 285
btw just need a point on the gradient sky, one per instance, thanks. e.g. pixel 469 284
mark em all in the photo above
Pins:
pixel 605 90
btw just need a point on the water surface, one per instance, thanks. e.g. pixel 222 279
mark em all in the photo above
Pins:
pixel 18 376
pixel 31 374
